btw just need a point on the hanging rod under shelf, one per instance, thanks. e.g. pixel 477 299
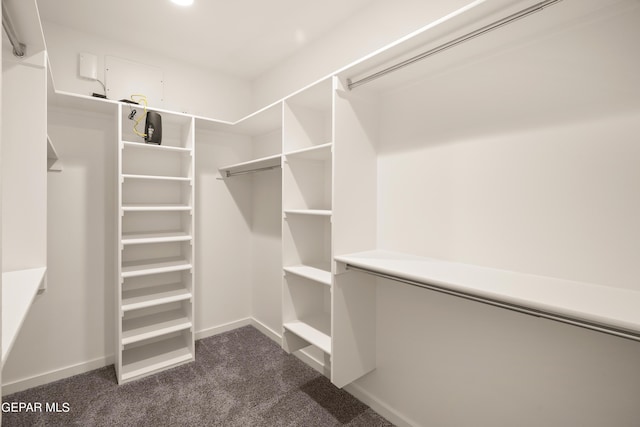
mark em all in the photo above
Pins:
pixel 611 330
pixel 450 44
pixel 228 174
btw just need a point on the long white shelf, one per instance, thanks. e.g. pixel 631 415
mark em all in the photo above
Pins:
pixel 314 329
pixel 154 207
pixel 135 299
pixel 154 357
pixel 608 309
pixel 161 237
pixel 145 268
pixel 317 152
pixel 129 144
pixel 263 163
pixel 155 325
pixel 19 289
pixel 154 177
pixel 310 212
pixel 318 273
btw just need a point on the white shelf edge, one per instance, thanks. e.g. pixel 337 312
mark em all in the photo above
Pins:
pixel 597 305
pixel 320 274
pixel 263 162
pixel 155 207
pixel 142 238
pixel 154 267
pixel 152 296
pixel 311 212
pixel 154 177
pixel 315 152
pixel 313 330
pixel 156 147
pixel 19 289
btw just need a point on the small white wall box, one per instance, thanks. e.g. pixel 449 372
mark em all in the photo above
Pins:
pixel 88 66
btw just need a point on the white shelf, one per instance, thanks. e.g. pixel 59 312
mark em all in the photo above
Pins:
pixel 165 237
pixel 155 325
pixel 155 207
pixel 159 178
pixel 252 165
pixel 154 357
pixel 310 212
pixel 315 330
pixel 597 304
pixel 317 152
pixel 148 297
pixel 19 289
pixel 142 145
pixel 145 268
pixel 317 273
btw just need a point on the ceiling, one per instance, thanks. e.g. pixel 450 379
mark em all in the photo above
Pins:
pixel 244 38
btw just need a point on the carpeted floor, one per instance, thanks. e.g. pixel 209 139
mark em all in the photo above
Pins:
pixel 239 378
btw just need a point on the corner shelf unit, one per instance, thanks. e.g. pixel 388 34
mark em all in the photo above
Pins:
pixel 155 292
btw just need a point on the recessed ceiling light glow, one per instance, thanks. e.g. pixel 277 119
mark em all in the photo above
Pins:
pixel 183 2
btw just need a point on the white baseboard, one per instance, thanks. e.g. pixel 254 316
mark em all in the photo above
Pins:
pixel 55 375
pixel 379 406
pixel 275 336
pixel 225 327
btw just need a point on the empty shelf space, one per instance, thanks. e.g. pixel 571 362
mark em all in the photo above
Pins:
pixel 144 268
pixel 142 145
pixel 317 272
pixel 156 295
pixel 155 325
pixel 311 212
pixel 317 152
pixel 157 178
pixel 161 237
pixel 154 357
pixel 158 207
pixel 598 307
pixel 19 289
pixel 256 165
pixel 314 329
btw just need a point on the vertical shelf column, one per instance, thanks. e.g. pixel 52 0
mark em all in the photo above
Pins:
pixel 155 292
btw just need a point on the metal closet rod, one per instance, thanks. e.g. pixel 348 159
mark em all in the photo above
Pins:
pixel 611 330
pixel 7 24
pixel 455 42
pixel 266 168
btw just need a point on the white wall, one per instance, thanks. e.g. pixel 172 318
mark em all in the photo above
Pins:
pixel 374 27
pixel 187 88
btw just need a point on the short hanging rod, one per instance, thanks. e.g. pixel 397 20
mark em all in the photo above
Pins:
pixel 7 24
pixel 266 168
pixel 455 42
pixel 611 330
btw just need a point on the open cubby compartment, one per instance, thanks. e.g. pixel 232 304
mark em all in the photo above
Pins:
pixel 308 117
pixel 307 241
pixel 161 222
pixel 153 355
pixel 150 291
pixel 152 253
pixel 307 182
pixel 177 129
pixel 161 192
pixel 306 314
pixel 145 161
pixel 156 321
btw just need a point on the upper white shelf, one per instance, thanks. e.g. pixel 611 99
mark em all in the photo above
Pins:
pixel 156 147
pixel 317 273
pixel 598 305
pixel 310 212
pixel 263 163
pixel 19 288
pixel 317 152
pixel 156 178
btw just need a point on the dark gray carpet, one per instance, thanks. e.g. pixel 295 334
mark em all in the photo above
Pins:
pixel 239 378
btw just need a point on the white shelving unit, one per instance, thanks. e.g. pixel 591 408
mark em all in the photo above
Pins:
pixel 307 202
pixel 155 291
